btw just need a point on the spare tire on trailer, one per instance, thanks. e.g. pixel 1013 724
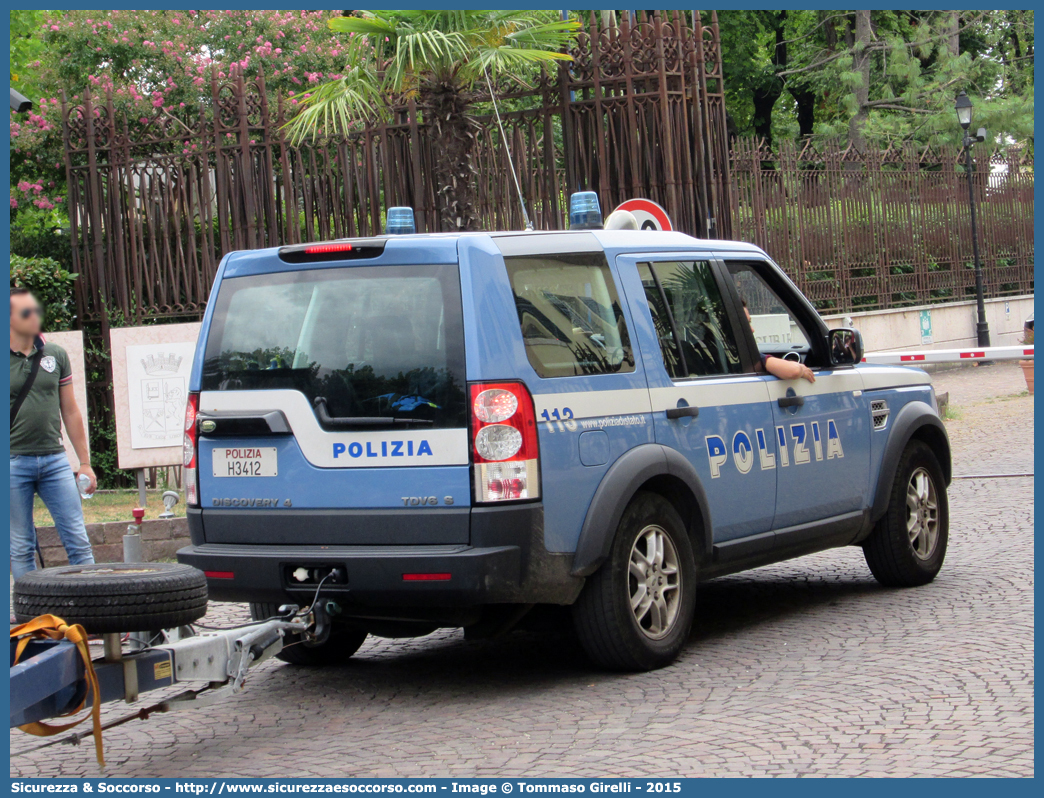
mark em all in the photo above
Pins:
pixel 114 597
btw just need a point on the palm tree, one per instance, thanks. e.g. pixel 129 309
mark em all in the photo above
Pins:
pixel 445 60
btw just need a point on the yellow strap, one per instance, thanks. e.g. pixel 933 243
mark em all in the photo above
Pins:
pixel 54 628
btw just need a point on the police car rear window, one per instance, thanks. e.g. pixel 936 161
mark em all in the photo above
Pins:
pixel 373 341
pixel 570 314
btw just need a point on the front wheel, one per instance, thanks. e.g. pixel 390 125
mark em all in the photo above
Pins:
pixel 908 544
pixel 635 612
pixel 338 648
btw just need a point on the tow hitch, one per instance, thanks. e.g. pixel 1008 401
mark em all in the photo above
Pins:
pixel 53 672
pixel 223 658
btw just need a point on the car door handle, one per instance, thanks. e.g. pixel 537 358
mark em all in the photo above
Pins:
pixel 791 401
pixel 682 412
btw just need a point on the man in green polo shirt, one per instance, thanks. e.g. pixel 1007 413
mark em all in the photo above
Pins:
pixel 38 461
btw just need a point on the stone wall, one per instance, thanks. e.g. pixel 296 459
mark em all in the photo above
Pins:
pixel 953 324
pixel 160 538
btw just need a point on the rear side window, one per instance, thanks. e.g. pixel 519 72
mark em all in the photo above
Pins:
pixel 687 308
pixel 663 323
pixel 570 315
pixel 373 341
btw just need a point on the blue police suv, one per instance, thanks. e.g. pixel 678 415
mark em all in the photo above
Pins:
pixel 445 430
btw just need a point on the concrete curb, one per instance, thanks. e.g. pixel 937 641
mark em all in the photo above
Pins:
pixel 160 538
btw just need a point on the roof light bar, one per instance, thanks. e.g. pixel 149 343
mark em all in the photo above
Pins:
pixel 400 221
pixel 584 211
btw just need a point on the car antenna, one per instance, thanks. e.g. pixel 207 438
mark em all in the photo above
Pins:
pixel 511 163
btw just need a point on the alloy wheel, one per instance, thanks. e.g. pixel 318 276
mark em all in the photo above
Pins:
pixel 922 513
pixel 654 582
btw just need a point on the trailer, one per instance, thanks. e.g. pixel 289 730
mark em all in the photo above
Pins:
pixel 144 614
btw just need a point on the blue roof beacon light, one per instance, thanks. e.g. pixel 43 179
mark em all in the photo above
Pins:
pixel 400 221
pixel 584 211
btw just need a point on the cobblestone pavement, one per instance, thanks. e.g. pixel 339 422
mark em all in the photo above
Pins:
pixel 803 668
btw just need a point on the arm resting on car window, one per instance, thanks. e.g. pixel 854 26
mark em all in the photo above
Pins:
pixel 788 369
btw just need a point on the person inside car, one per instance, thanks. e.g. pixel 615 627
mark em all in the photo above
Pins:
pixel 777 366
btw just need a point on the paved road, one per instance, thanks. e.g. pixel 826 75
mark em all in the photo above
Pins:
pixel 803 668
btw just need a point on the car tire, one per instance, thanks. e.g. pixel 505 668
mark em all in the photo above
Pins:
pixel 114 597
pixel 338 648
pixel 908 543
pixel 651 635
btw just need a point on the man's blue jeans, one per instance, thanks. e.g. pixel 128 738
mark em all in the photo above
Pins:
pixel 51 476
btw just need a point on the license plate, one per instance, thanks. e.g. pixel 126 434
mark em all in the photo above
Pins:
pixel 245 461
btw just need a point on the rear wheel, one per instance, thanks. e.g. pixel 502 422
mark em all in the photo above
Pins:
pixel 908 544
pixel 339 646
pixel 635 612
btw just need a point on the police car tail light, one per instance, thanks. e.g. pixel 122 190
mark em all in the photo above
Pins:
pixel 504 443
pixel 498 442
pixel 188 450
pixel 326 249
pixel 495 404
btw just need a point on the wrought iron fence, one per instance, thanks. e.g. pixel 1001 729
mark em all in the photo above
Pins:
pixel 156 201
pixel 885 229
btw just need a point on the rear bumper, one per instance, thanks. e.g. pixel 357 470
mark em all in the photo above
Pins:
pixel 377 575
pixel 505 562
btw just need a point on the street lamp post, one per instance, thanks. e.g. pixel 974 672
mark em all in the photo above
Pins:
pixel 963 106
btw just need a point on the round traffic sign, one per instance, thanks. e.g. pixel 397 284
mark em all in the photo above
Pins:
pixel 650 216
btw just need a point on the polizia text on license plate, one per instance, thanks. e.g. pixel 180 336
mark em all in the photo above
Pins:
pixel 245 461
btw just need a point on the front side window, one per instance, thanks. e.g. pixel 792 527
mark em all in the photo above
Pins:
pixel 775 326
pixel 570 315
pixel 372 341
pixel 689 314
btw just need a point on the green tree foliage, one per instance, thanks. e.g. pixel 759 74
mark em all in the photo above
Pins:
pixel 753 54
pixel 878 78
pixel 443 60
pixel 27 48
pixel 51 284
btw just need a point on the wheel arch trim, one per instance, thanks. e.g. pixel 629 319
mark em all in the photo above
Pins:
pixel 916 420
pixel 625 477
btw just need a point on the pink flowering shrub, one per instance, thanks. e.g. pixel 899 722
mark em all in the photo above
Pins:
pixel 156 63
pixel 167 55
pixel 32 194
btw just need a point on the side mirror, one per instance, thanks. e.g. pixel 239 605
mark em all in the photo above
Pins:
pixel 846 347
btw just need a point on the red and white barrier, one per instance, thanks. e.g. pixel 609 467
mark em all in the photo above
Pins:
pixel 907 358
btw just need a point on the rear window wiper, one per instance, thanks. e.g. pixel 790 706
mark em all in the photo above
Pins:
pixel 362 421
